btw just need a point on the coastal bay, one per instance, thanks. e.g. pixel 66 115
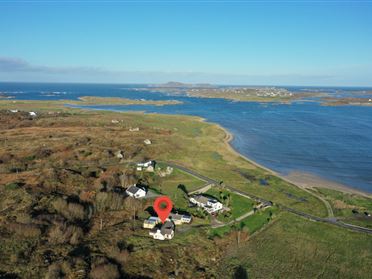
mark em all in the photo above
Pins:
pixel 330 142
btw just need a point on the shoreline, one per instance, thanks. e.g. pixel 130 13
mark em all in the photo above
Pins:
pixel 296 177
pixel 299 179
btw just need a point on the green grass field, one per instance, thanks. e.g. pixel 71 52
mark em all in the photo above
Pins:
pixel 343 205
pixel 292 247
pixel 250 224
pixel 169 186
pixel 238 205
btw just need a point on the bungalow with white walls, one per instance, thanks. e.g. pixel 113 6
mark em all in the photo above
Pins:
pixel 179 219
pixel 151 222
pixel 210 205
pixel 166 231
pixel 136 192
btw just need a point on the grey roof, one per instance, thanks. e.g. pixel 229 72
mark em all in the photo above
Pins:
pixel 133 189
pixel 167 228
pixel 201 199
pixel 175 216
pixel 204 199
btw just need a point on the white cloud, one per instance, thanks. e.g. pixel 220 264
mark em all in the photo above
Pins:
pixel 15 69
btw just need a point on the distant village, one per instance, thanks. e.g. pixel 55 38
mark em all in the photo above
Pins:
pixel 246 91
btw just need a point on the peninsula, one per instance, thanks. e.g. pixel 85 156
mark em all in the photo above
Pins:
pixel 64 206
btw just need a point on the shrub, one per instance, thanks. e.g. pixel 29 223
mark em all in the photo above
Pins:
pixel 11 186
pixel 25 230
pixel 54 272
pixel 109 201
pixel 70 210
pixel 105 270
pixel 63 233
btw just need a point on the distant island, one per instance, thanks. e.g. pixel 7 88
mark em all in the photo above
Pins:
pixel 90 100
pixel 5 96
pixel 259 93
pixel 235 93
pixel 349 101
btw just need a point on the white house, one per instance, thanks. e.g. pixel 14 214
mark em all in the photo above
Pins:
pixel 31 113
pixel 148 166
pixel 209 204
pixel 166 231
pixel 147 141
pixel 136 192
pixel 179 219
pixel 151 222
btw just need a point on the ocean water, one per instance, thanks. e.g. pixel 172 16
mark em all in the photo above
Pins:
pixel 331 142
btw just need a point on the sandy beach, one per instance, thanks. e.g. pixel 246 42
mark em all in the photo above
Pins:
pixel 300 179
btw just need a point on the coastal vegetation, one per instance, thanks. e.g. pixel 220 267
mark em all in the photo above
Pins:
pixel 89 100
pixel 63 212
pixel 348 101
pixel 348 207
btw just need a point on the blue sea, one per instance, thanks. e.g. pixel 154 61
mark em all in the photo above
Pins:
pixel 334 143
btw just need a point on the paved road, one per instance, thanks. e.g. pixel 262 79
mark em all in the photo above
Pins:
pixel 330 220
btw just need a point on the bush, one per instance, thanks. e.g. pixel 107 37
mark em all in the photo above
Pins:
pixel 70 210
pixel 54 272
pixel 109 201
pixel 11 186
pixel 25 230
pixel 63 233
pixel 104 271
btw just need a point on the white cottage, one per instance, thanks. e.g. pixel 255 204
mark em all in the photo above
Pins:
pixel 208 204
pixel 136 192
pixel 179 219
pixel 165 232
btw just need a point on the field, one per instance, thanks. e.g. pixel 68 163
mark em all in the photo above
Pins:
pixel 237 204
pixel 292 247
pixel 350 208
pixel 170 186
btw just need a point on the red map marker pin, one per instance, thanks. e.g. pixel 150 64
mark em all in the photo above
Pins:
pixel 163 206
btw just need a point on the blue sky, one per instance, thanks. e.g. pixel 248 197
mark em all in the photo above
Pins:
pixel 229 42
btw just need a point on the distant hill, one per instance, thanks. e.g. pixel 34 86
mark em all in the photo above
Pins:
pixel 176 84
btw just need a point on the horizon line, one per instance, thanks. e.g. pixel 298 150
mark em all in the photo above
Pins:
pixel 191 83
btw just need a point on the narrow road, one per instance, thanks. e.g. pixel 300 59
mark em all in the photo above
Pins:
pixel 329 220
pixel 204 189
pixel 219 225
pixel 325 202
